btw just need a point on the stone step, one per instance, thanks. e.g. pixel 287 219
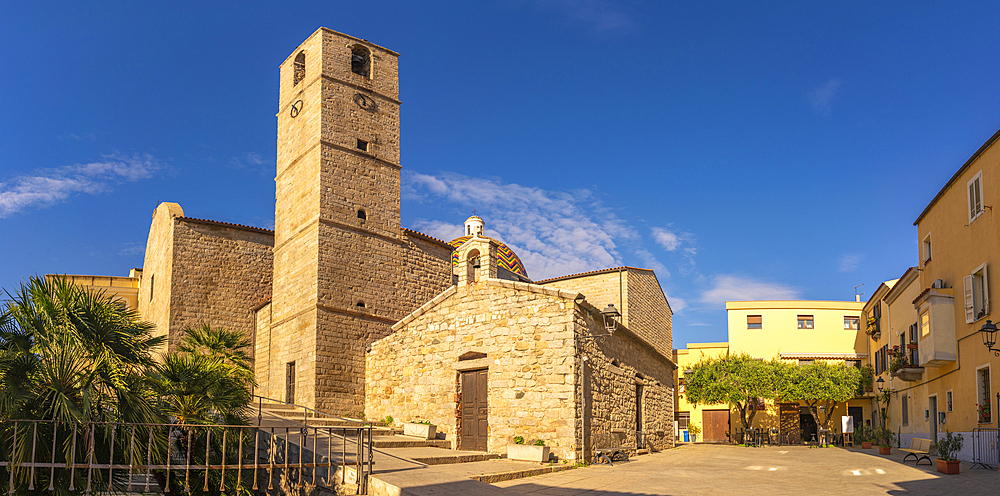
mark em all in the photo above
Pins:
pixel 509 475
pixel 447 459
pixel 394 441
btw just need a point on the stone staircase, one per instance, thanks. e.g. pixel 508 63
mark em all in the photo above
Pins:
pixel 405 465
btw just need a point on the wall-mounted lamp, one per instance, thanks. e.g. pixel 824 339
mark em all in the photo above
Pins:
pixel 989 332
pixel 610 314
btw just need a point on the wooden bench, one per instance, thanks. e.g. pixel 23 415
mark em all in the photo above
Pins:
pixel 611 454
pixel 918 450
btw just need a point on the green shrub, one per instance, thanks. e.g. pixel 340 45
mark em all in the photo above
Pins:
pixel 518 439
pixel 539 442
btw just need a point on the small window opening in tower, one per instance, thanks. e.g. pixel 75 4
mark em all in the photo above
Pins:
pixel 299 68
pixel 362 214
pixel 362 145
pixel 360 304
pixel 361 61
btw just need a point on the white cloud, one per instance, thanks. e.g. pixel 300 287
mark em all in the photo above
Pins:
pixel 727 287
pixel 650 262
pixel 665 238
pixel 553 232
pixel 249 159
pixel 821 97
pixel 49 186
pixel 849 262
pixel 676 304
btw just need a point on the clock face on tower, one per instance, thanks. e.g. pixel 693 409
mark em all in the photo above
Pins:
pixel 296 108
pixel 366 102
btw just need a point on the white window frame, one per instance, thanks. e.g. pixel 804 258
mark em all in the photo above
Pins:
pixel 853 319
pixel 949 400
pixel 925 248
pixel 809 322
pixel 975 187
pixel 977 296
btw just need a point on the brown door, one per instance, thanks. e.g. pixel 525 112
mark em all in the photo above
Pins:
pixel 716 425
pixel 475 425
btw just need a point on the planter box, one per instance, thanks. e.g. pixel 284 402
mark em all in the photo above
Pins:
pixel 528 453
pixel 423 431
pixel 949 467
pixel 866 445
pixel 885 451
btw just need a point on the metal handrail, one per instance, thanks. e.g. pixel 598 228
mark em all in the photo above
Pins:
pixel 94 451
pixel 305 410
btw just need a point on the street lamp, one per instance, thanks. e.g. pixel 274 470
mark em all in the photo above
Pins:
pixel 610 314
pixel 989 331
pixel 879 383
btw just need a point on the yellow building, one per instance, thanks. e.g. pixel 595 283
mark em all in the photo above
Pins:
pixel 123 289
pixel 799 332
pixel 794 331
pixel 712 419
pixel 943 379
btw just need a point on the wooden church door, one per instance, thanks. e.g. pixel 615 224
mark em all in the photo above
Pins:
pixel 475 423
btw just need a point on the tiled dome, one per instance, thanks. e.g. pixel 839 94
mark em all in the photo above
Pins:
pixel 506 257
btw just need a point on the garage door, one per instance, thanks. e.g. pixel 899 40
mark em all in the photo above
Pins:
pixel 715 426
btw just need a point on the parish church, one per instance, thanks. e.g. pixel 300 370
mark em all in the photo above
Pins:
pixel 353 314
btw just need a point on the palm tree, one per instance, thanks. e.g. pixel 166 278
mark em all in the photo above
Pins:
pixel 206 382
pixel 70 355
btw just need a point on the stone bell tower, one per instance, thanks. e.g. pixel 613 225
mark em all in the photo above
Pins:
pixel 337 221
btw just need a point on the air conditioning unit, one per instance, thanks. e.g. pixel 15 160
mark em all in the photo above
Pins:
pixel 938 284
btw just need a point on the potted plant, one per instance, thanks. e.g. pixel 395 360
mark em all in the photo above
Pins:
pixel 984 413
pixel 885 439
pixel 694 430
pixel 421 428
pixel 947 449
pixel 534 452
pixel 863 434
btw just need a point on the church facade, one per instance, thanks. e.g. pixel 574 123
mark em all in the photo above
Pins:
pixel 353 314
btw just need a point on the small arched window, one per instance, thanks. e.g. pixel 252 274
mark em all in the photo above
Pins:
pixel 362 214
pixel 361 61
pixel 360 304
pixel 299 67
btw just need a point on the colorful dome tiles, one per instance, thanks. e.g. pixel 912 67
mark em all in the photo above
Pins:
pixel 506 257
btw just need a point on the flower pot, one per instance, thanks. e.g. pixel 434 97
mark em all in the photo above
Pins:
pixel 949 467
pixel 885 450
pixel 866 445
pixel 527 452
pixel 423 431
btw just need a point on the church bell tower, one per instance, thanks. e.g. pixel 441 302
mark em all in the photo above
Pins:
pixel 337 217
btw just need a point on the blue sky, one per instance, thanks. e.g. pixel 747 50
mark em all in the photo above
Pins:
pixel 743 151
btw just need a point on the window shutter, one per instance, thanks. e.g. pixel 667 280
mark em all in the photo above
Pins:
pixel 986 292
pixel 972 200
pixel 969 312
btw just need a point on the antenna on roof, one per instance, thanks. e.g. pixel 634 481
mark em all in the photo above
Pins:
pixel 857 296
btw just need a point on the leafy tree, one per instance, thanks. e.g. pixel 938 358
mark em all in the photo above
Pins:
pixel 821 382
pixel 206 382
pixel 70 355
pixel 736 380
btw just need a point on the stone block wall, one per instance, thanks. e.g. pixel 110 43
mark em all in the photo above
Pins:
pixel 526 333
pixel 649 312
pixel 154 288
pixel 601 288
pixel 220 272
pixel 614 366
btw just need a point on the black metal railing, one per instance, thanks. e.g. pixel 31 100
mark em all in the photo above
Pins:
pixel 102 457
pixel 985 447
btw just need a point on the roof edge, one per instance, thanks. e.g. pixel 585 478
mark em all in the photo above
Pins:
pixel 955 177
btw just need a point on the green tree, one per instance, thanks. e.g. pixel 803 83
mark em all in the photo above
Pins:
pixel 820 382
pixel 71 355
pixel 736 380
pixel 207 381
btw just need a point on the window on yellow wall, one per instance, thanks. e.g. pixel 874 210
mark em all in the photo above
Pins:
pixel 948 400
pixel 805 321
pixel 927 248
pixel 975 197
pixel 754 322
pixel 852 323
pixel 904 408
pixel 925 323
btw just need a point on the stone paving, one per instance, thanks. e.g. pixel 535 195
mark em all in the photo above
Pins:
pixel 774 471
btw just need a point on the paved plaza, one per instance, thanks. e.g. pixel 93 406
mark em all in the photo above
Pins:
pixel 771 471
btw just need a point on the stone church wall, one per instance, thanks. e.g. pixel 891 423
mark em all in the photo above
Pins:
pixel 218 274
pixel 614 366
pixel 526 332
pixel 637 295
pixel 649 313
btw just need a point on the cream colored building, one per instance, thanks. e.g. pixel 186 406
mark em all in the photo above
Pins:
pixel 119 288
pixel 936 311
